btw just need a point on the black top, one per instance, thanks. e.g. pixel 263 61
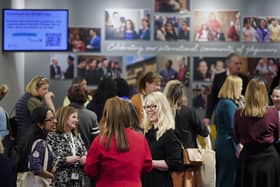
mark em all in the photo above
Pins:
pixel 7 178
pixel 218 82
pixel 166 148
pixel 188 126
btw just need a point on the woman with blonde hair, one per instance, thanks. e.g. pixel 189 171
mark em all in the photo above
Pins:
pixel 36 94
pixel 187 123
pixel 68 149
pixel 164 145
pixel 257 128
pixel 119 155
pixel 226 144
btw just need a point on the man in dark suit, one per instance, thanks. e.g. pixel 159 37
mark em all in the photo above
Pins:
pixel 234 63
pixel 69 73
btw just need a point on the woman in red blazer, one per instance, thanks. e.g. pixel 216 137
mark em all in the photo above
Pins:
pixel 119 155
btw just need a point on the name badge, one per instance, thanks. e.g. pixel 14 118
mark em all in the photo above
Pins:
pixel 74 176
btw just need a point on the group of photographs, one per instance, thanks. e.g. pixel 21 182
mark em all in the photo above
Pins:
pixel 196 73
pixel 171 20
pixel 135 25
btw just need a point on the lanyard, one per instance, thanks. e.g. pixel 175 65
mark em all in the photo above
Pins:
pixel 72 145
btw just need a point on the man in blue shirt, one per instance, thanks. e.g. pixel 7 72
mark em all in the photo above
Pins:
pixel 94 43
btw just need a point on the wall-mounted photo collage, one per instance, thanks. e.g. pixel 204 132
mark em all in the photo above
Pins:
pixel 169 21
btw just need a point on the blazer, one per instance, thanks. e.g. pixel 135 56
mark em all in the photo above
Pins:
pixel 137 101
pixel 119 169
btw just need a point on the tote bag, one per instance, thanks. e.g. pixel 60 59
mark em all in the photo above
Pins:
pixel 28 179
pixel 208 167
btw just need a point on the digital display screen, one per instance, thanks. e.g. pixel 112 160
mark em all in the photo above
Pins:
pixel 35 30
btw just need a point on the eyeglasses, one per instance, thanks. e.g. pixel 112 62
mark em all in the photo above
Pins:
pixel 51 119
pixel 150 107
pixel 275 96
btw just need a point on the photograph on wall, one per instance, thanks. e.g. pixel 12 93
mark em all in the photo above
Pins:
pixel 217 26
pixel 137 66
pixel 172 6
pixel 172 28
pixel 127 24
pixel 62 66
pixel 266 68
pixel 200 90
pixel 173 67
pixel 205 68
pixel 95 67
pixel 261 29
pixel 84 39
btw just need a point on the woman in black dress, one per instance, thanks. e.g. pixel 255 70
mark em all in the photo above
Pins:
pixel 165 147
pixel 187 123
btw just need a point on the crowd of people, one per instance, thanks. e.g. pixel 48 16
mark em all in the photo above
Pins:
pixel 117 141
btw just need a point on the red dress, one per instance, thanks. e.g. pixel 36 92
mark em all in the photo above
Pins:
pixel 119 169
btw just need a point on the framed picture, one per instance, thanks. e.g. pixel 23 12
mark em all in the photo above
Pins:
pixel 174 67
pixel 62 66
pixel 172 28
pixel 261 29
pixel 84 39
pixel 136 66
pixel 205 68
pixel 127 24
pixel 266 68
pixel 172 6
pixel 217 26
pixel 93 68
pixel 200 91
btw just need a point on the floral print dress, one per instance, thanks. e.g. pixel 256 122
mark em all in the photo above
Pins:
pixel 61 146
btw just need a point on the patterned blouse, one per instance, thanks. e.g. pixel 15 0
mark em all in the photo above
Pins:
pixel 61 146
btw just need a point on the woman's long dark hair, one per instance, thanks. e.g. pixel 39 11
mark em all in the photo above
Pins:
pixel 107 88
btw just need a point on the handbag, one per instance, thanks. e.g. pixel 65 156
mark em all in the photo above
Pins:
pixel 191 175
pixel 192 157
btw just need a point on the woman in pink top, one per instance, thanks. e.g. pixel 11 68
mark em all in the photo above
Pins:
pixel 119 155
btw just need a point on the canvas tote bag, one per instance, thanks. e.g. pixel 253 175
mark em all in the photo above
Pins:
pixel 28 179
pixel 208 167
